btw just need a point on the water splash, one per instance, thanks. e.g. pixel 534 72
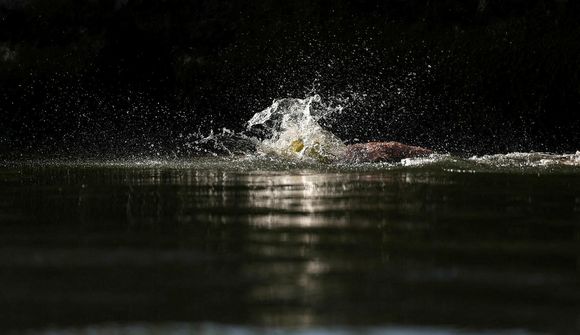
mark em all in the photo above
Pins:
pixel 224 142
pixel 290 128
pixel 294 133
pixel 511 162
pixel 528 159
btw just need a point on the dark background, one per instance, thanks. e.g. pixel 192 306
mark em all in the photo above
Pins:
pixel 122 77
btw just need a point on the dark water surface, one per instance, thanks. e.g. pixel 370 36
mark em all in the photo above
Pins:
pixel 410 250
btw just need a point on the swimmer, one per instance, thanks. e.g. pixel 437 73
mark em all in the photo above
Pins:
pixel 382 152
pixel 291 129
pixel 364 152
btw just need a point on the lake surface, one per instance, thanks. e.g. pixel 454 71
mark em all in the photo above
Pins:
pixel 243 246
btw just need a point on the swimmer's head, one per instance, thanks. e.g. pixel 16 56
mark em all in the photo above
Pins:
pixel 297 146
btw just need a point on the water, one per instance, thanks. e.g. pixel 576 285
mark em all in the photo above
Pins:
pixel 292 130
pixel 440 245
pixel 278 235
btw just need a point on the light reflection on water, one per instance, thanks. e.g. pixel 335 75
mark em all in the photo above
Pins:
pixel 422 249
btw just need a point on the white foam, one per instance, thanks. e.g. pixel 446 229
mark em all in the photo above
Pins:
pixel 294 130
pixel 528 159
